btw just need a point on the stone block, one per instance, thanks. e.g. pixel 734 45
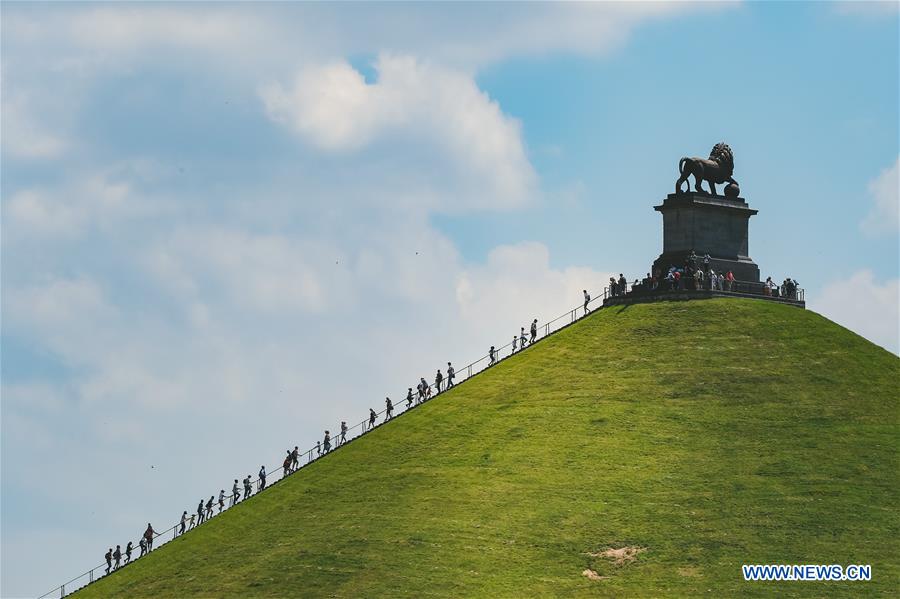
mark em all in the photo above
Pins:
pixel 707 224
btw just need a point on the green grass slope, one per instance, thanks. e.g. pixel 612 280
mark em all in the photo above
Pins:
pixel 711 433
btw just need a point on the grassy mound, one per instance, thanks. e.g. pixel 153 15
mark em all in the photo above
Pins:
pixel 647 450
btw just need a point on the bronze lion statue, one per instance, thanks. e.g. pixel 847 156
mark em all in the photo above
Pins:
pixel 718 168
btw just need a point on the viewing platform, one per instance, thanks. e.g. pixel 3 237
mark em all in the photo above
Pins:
pixel 641 293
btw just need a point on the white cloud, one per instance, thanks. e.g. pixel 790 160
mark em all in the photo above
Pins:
pixel 23 135
pixel 259 272
pixel 512 274
pixel 334 108
pixel 468 36
pixel 33 210
pixel 134 27
pixel 82 40
pixel 72 208
pixel 864 305
pixel 133 370
pixel 57 303
pixel 884 217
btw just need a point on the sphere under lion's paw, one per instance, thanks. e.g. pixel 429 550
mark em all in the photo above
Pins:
pixel 732 190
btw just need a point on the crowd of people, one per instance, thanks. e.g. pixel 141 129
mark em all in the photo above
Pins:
pixel 697 273
pixel 693 278
pixel 114 558
pixel 788 288
pixel 617 287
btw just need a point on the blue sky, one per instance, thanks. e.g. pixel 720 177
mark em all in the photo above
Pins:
pixel 228 227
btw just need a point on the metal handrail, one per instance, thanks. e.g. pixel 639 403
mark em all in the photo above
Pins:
pixel 472 369
pixel 736 287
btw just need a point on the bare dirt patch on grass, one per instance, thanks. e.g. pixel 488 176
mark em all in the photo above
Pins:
pixel 620 556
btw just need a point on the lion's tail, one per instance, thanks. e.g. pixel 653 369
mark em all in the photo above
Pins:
pixel 681 164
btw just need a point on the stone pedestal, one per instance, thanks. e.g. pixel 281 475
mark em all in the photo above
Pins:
pixel 714 225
